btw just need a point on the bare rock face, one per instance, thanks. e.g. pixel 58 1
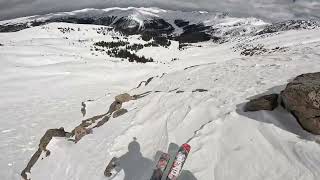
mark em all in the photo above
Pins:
pixel 123 98
pixel 302 98
pixel 83 109
pixel 267 102
pixel 119 113
pixel 46 138
pixel 44 141
pixel 116 105
pixel 80 132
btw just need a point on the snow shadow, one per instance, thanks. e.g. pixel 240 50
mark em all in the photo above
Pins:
pixel 134 165
pixel 273 90
pixel 137 167
pixel 279 117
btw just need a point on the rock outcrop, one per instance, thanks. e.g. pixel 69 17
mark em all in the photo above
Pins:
pixel 200 90
pixel 289 25
pixel 44 141
pixel 83 109
pixel 46 138
pixel 267 102
pixel 81 131
pixel 122 98
pixel 301 97
pixel 116 105
pixel 119 113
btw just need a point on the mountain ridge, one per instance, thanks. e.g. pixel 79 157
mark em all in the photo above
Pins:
pixel 183 26
pixel 153 21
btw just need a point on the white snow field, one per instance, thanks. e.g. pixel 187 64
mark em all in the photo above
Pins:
pixel 46 74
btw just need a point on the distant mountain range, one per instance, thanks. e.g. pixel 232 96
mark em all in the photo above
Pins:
pixel 182 26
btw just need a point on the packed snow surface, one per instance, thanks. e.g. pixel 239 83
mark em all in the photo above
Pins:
pixel 46 74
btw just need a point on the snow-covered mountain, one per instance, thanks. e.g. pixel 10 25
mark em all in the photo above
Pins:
pixel 192 26
pixel 200 25
pixel 65 69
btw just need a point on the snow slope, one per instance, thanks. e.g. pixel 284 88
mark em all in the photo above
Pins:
pixel 46 74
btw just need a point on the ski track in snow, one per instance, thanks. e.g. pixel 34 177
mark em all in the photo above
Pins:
pixel 44 78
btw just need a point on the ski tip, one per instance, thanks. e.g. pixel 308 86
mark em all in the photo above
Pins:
pixel 187 147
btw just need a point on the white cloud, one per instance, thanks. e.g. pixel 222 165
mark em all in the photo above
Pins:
pixel 266 9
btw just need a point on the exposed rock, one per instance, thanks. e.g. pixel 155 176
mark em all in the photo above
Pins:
pixel 102 121
pixel 138 96
pixel 90 121
pixel 173 90
pixel 256 50
pixel 83 109
pixel 123 98
pixel 116 105
pixel 30 164
pixel 191 67
pixel 80 132
pixel 163 75
pixel 217 39
pixel 44 141
pixel 145 82
pixel 119 113
pixel 148 81
pixel 46 138
pixel 260 49
pixel 289 25
pixel 302 98
pixel 127 26
pixel 130 26
pixel 200 90
pixel 267 102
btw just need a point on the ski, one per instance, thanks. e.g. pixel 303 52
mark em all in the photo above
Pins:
pixel 160 166
pixel 111 169
pixel 178 162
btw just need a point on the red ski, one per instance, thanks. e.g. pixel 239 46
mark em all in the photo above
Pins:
pixel 160 167
pixel 178 162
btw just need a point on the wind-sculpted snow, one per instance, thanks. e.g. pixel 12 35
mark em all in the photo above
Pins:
pixel 49 70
